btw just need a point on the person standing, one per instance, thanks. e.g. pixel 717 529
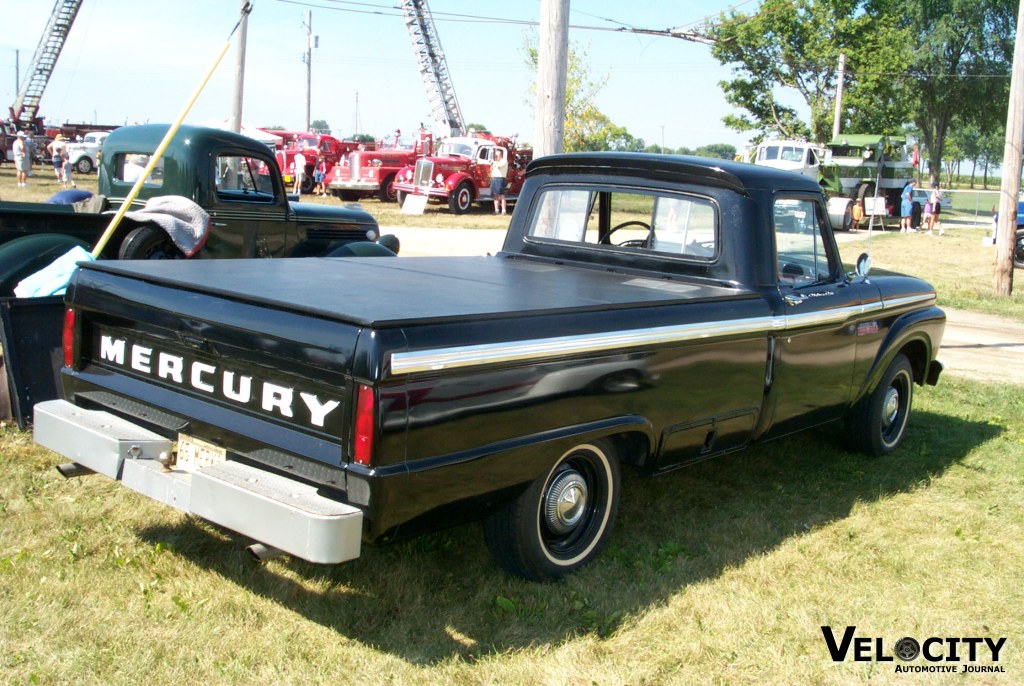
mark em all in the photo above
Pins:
pixel 318 175
pixel 300 170
pixel 67 178
pixel 22 160
pixel 56 148
pixel 935 200
pixel 907 207
pixel 499 170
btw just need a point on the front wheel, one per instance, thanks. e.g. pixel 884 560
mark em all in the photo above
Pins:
pixel 563 520
pixel 386 192
pixel 461 199
pixel 149 242
pixel 84 165
pixel 877 424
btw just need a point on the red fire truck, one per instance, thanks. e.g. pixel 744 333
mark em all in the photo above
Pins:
pixel 460 172
pixel 369 173
pixel 311 145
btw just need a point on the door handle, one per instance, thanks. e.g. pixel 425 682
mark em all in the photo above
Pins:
pixel 794 299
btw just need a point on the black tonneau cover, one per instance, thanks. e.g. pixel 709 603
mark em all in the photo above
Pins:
pixel 382 292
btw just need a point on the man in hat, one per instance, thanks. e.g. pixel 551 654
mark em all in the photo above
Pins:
pixel 56 149
pixel 22 159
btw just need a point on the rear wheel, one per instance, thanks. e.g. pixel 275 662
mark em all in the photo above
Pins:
pixel 878 423
pixel 149 242
pixel 563 520
pixel 461 199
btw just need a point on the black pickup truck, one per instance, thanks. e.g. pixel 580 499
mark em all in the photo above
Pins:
pixel 650 311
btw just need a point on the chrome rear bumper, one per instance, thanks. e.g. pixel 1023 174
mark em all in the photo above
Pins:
pixel 270 508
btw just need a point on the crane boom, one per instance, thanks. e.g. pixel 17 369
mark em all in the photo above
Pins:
pixel 444 106
pixel 26 105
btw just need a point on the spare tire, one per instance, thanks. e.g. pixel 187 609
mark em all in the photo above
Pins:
pixel 149 242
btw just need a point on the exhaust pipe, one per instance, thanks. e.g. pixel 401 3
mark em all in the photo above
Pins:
pixel 72 469
pixel 263 553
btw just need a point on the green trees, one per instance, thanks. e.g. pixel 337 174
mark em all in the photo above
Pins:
pixel 796 45
pixel 922 62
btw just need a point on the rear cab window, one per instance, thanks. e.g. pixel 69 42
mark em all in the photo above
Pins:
pixel 129 167
pixel 662 223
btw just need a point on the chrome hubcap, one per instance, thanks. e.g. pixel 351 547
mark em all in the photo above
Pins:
pixel 891 407
pixel 566 502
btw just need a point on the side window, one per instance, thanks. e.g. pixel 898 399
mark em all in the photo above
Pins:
pixel 128 167
pixel 664 223
pixel 803 257
pixel 244 178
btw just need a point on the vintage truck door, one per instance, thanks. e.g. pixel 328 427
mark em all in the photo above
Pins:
pixel 816 333
pixel 248 206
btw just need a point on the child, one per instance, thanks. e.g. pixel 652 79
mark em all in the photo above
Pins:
pixel 318 175
pixel 68 170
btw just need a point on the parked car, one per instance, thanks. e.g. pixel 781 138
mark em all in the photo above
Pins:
pixel 85 154
pixel 1018 246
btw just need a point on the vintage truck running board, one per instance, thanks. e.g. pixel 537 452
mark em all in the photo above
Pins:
pixel 273 509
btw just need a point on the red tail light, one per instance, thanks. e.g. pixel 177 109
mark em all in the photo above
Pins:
pixel 365 426
pixel 69 337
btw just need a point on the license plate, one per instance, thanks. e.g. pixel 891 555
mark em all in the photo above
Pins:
pixel 194 453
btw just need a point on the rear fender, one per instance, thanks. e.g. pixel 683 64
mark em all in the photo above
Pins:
pixel 917 335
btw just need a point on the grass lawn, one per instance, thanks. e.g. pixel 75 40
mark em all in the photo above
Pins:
pixel 722 573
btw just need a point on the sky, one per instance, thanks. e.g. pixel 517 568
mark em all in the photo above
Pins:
pixel 135 61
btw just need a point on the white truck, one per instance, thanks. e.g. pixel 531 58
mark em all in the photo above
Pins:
pixel 867 168
pixel 84 154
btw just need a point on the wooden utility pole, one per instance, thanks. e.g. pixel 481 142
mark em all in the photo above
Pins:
pixel 309 63
pixel 837 117
pixel 236 106
pixel 552 63
pixel 1009 190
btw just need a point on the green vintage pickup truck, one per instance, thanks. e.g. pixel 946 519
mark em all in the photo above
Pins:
pixel 233 177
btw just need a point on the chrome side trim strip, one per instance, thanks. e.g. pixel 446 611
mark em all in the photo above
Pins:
pixel 513 351
pixel 909 300
pixel 541 348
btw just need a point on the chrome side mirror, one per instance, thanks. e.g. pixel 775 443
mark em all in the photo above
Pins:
pixel 863 266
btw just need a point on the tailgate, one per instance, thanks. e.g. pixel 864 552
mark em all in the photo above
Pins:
pixel 266 384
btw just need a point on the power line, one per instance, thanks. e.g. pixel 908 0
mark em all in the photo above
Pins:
pixel 391 11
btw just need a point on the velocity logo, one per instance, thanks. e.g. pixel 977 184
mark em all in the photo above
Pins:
pixel 941 654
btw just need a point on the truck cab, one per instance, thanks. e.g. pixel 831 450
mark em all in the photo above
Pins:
pixel 796 156
pixel 237 181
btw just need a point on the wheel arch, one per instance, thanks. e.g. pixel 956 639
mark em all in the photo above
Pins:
pixel 453 180
pixel 916 335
